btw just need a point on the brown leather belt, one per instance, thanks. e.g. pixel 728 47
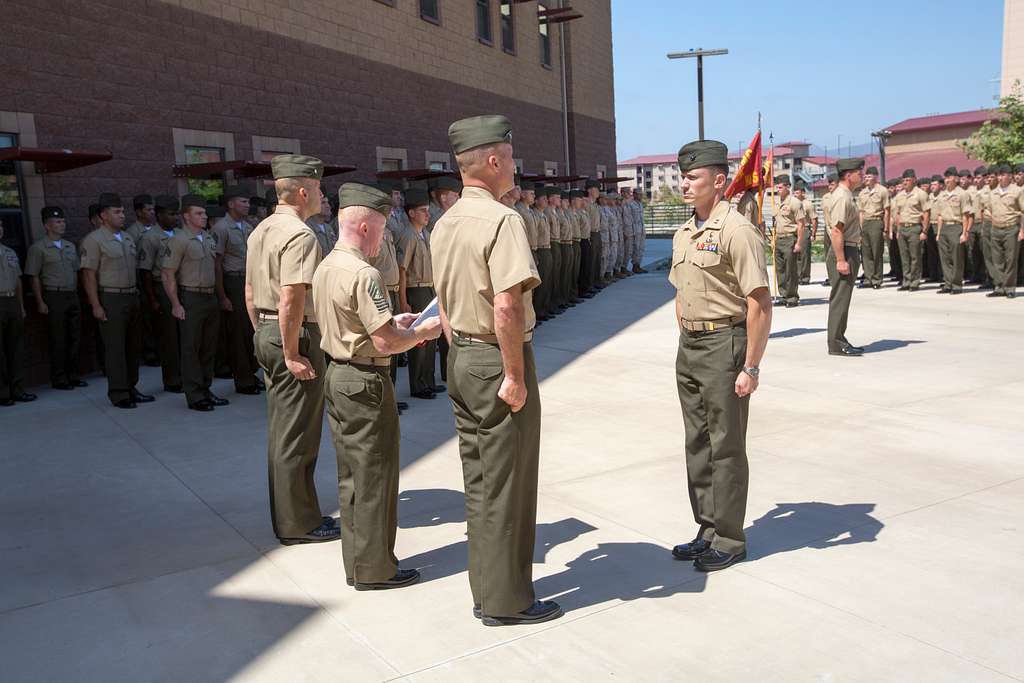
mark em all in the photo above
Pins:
pixel 364 360
pixel 198 290
pixel 712 325
pixel 486 338
pixel 393 290
pixel 119 290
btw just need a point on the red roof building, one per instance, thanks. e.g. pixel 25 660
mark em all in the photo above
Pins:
pixel 928 144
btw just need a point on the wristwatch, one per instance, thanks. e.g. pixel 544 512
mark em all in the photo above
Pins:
pixel 753 371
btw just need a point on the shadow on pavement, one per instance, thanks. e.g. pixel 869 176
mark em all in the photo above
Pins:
pixel 795 332
pixel 430 507
pixel 890 345
pixel 779 530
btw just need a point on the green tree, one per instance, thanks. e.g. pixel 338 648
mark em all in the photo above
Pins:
pixel 667 196
pixel 1001 138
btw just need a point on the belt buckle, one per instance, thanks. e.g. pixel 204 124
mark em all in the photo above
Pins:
pixel 709 327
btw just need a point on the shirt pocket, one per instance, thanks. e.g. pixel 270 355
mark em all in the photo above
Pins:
pixel 706 260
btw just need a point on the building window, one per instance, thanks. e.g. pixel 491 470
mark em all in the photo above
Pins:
pixel 602 171
pixel 430 11
pixel 12 202
pixel 213 189
pixel 519 166
pixel 483 22
pixel 508 27
pixel 545 38
pixel 392 159
pixel 438 161
pixel 390 164
pixel 550 168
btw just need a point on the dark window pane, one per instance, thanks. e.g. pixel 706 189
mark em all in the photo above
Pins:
pixel 508 33
pixel 483 20
pixel 428 10
pixel 545 39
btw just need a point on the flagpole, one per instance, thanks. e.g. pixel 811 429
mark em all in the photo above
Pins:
pixel 775 232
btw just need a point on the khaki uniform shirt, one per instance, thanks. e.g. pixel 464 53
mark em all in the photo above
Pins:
pixel 414 257
pixel 826 201
pixel 232 243
pixel 787 218
pixel 717 265
pixel 10 270
pixel 350 303
pixel 56 267
pixel 386 262
pixel 912 206
pixel 282 251
pixel 583 217
pixel 1006 205
pixel 951 205
pixel 480 249
pixel 747 206
pixel 543 229
pixel 565 226
pixel 809 214
pixel 554 225
pixel 151 246
pixel 192 257
pixel 873 203
pixel 593 216
pixel 113 257
pixel 933 213
pixel 530 221
pixel 435 213
pixel 972 194
pixel 982 204
pixel 843 209
pixel 136 230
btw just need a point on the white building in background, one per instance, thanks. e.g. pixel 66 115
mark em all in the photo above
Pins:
pixel 1013 45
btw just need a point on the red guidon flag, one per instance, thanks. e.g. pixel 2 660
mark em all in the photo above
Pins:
pixel 748 177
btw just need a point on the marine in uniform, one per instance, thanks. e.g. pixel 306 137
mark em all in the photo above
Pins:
pixel 444 192
pixel 974 261
pixel 912 228
pixel 232 235
pixel 416 290
pixel 188 272
pixel 1006 206
pixel 930 266
pixel 955 212
pixel 12 329
pixel 892 238
pixel 319 224
pixel 485 278
pixel 52 263
pixel 636 206
pixel 571 225
pixel 826 203
pixel 545 255
pixel 845 232
pixel 108 265
pixel 386 263
pixel 555 303
pixel 282 254
pixel 810 232
pixel 790 226
pixel 151 246
pixel 593 209
pixel 873 202
pixel 723 309
pixel 628 229
pixel 582 215
pixel 360 333
pixel 145 222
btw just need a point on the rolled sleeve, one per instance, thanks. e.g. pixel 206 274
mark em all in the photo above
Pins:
pixel 510 262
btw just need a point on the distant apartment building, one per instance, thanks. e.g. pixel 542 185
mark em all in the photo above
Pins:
pixel 1013 45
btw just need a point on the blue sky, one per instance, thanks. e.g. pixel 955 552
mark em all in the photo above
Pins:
pixel 814 70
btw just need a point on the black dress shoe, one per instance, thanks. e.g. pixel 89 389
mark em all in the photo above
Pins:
pixel 402 405
pixel 224 374
pixel 715 560
pixel 141 398
pixel 876 286
pixel 439 388
pixel 217 400
pixel 402 578
pixel 477 612
pixel 203 406
pixel 321 534
pixel 125 404
pixel 956 291
pixel 540 611
pixel 902 288
pixel 260 385
pixel 994 294
pixel 691 550
pixel 248 391
pixel 987 285
pixel 792 304
pixel 152 362
pixel 78 384
pixel 63 386
pixel 914 289
pixel 6 402
pixel 173 388
pixel 426 394
pixel 942 290
pixel 1011 295
pixel 24 397
pixel 327 520
pixel 846 351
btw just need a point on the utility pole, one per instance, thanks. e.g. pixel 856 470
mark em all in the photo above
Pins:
pixel 700 54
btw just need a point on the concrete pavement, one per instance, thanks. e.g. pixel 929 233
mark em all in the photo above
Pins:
pixel 885 521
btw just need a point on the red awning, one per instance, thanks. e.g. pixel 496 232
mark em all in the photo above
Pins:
pixel 241 168
pixel 54 160
pixel 414 174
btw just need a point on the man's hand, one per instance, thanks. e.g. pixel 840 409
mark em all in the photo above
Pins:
pixel 796 248
pixel 843 268
pixel 42 307
pixel 403 320
pixel 99 313
pixel 430 328
pixel 963 238
pixel 745 384
pixel 225 305
pixel 513 393
pixel 301 368
pixel 178 312
pixel 923 236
